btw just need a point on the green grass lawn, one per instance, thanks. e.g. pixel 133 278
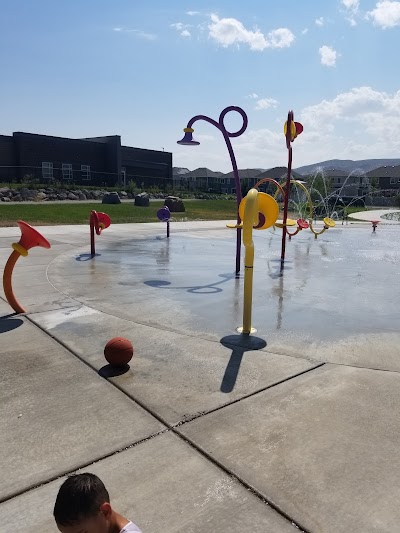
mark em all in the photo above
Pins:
pixel 47 214
pixel 42 214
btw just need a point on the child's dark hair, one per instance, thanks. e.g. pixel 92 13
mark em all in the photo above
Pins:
pixel 79 497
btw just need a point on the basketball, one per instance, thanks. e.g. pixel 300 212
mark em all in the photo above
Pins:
pixel 118 351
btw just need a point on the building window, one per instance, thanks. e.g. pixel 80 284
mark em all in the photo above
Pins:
pixel 393 181
pixel 66 169
pixel 47 170
pixel 123 176
pixel 85 169
pixel 233 191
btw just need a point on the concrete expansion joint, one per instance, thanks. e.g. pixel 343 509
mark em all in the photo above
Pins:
pixel 242 482
pixel 189 418
pixel 85 465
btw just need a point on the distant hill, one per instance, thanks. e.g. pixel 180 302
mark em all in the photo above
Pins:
pixel 347 165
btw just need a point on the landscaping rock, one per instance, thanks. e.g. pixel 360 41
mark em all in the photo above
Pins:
pixel 72 196
pixel 61 196
pixel 28 194
pixel 111 198
pixel 41 196
pixel 81 196
pixel 5 199
pixel 142 200
pixel 174 204
pixel 123 194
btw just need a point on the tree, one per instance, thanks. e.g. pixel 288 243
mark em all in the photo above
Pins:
pixel 319 185
pixel 244 187
pixel 374 184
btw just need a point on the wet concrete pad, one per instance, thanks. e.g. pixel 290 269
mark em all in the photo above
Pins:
pixel 176 376
pixel 323 447
pixel 332 303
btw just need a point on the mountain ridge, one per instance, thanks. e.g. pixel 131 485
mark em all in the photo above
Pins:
pixel 347 165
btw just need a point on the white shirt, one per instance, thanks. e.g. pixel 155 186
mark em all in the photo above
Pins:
pixel 130 528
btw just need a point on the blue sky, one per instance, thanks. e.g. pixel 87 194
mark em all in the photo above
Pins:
pixel 142 69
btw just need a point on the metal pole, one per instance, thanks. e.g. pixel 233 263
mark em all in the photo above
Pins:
pixel 92 245
pixel 227 135
pixel 287 188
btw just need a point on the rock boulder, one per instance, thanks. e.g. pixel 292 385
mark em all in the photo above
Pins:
pixel 174 204
pixel 142 199
pixel 111 198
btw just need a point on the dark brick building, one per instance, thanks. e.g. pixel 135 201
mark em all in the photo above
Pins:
pixel 98 161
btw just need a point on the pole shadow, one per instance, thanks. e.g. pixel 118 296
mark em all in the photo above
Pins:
pixel 7 323
pixel 239 344
pixel 109 371
pixel 210 288
pixel 86 257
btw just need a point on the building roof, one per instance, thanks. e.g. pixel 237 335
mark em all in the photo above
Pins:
pixel 245 173
pixel 203 173
pixel 385 172
pixel 278 173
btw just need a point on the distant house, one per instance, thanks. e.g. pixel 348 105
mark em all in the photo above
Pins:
pixel 341 182
pixel 228 183
pixel 204 179
pixel 99 161
pixel 386 178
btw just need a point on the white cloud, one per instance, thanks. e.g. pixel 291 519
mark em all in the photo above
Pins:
pixel 386 14
pixel 182 28
pixel 265 103
pixel 320 21
pixel 253 96
pixel 351 4
pixel 303 32
pixel 178 26
pixel 140 34
pixel 352 8
pixel 360 123
pixel 192 13
pixel 230 31
pixel 328 56
pixel 280 38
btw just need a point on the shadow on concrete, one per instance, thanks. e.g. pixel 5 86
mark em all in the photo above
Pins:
pixel 239 344
pixel 7 323
pixel 211 288
pixel 86 257
pixel 109 371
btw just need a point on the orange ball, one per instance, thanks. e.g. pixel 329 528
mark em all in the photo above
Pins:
pixel 118 351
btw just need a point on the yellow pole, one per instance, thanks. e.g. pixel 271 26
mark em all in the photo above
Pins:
pixel 250 218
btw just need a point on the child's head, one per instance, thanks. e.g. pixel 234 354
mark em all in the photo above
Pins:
pixel 83 505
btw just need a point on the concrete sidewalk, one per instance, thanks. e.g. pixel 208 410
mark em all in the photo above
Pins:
pixel 297 430
pixel 375 214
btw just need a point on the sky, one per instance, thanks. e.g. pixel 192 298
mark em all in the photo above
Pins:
pixel 142 69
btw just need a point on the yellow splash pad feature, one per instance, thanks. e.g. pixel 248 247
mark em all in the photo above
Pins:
pixel 268 210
